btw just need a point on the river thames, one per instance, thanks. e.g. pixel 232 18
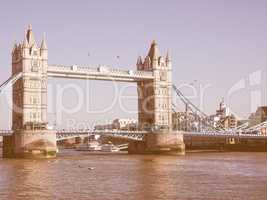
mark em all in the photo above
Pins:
pixel 79 175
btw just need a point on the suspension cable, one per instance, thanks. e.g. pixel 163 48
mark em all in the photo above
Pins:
pixel 11 80
pixel 202 115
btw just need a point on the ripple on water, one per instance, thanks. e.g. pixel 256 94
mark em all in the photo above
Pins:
pixel 76 175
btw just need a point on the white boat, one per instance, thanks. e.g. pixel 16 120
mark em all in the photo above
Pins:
pixel 91 146
pixel 109 148
pixel 95 146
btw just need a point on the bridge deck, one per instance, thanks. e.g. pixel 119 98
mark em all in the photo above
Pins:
pixel 138 135
pixel 98 73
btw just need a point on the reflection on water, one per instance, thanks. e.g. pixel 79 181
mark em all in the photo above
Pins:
pixel 79 175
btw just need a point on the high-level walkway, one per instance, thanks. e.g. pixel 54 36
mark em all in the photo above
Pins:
pixel 98 73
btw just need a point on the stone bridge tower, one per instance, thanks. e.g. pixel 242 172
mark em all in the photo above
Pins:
pixel 30 92
pixel 29 117
pixel 155 97
pixel 155 107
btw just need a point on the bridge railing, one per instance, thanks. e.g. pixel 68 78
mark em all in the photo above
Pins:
pixel 6 132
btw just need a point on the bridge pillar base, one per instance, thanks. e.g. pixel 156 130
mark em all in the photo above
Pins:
pixel 162 142
pixel 30 144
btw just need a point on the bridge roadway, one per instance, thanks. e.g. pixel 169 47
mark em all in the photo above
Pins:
pixel 68 134
pixel 98 73
pixel 134 135
pixel 138 135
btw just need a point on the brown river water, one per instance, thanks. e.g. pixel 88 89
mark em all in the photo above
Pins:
pixel 80 175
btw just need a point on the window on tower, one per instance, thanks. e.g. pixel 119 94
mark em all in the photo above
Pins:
pixel 35 65
pixel 163 76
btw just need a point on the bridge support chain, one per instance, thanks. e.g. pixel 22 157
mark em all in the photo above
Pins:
pixel 30 144
pixel 160 142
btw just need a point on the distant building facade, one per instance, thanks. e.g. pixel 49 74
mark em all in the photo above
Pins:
pixel 186 121
pixel 125 124
pixel 223 118
pixel 259 116
pixel 119 124
pixel 223 110
pixel 229 122
pixel 179 121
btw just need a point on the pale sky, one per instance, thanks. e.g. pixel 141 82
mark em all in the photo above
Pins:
pixel 216 43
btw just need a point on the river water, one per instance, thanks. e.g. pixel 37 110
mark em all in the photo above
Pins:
pixel 79 175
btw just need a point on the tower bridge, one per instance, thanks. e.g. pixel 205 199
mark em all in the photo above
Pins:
pixel 29 114
pixel 30 72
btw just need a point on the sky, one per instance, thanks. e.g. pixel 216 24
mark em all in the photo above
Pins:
pixel 217 47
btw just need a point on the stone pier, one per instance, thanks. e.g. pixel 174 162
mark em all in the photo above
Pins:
pixel 30 144
pixel 161 142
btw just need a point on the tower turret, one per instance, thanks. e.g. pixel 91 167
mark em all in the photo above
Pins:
pixel 154 54
pixel 30 36
pixel 43 48
pixel 168 60
pixel 25 47
pixel 139 63
pixel 25 43
pixel 147 63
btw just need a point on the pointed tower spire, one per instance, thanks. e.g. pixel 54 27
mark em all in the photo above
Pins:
pixel 139 63
pixel 139 60
pixel 25 43
pixel 43 43
pixel 168 58
pixel 153 51
pixel 30 36
pixel 14 48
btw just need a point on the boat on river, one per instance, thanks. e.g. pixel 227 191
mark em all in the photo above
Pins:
pixel 109 148
pixel 95 146
pixel 90 146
